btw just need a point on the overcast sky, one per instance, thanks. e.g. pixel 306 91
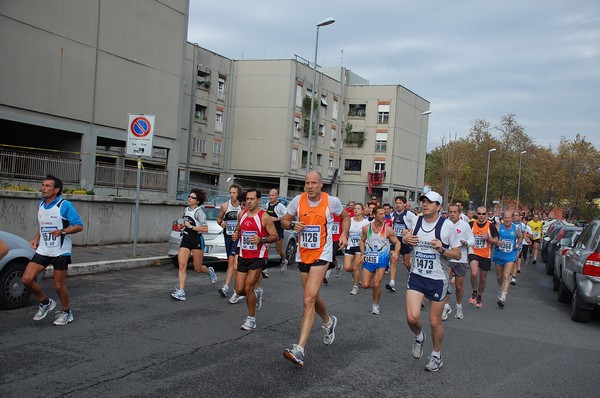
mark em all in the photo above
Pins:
pixel 537 59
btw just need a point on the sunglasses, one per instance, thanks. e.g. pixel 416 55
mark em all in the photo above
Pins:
pixel 192 197
pixel 481 214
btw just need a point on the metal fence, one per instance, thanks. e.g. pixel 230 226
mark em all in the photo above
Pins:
pixel 22 165
pixel 111 175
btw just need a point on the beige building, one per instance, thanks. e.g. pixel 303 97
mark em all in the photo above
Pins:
pixel 217 120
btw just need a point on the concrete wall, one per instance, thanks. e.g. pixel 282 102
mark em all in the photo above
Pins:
pixel 106 220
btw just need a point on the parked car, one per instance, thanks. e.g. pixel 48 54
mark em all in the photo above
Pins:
pixel 579 280
pixel 565 231
pixel 566 244
pixel 548 236
pixel 13 294
pixel 214 242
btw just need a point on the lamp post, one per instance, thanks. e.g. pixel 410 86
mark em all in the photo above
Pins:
pixel 426 113
pixel 519 181
pixel 325 22
pixel 487 176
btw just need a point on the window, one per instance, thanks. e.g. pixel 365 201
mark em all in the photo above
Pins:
pixel 353 165
pixel 333 138
pixel 381 142
pixel 217 148
pixel 383 114
pixel 219 121
pixel 200 113
pixel 321 130
pixel 304 159
pixel 357 110
pixel 294 165
pixel 335 109
pixel 378 166
pixel 319 159
pixel 296 127
pixel 199 145
pixel 324 100
pixel 299 95
pixel 221 89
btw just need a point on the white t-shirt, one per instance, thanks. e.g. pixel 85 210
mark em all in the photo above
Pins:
pixel 427 261
pixel 355 232
pixel 465 233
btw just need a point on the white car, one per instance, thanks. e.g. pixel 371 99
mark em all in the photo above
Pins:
pixel 214 242
pixel 13 294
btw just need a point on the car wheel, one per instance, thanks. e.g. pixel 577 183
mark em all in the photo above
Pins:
pixel 578 314
pixel 555 283
pixel 549 268
pixel 564 296
pixel 290 251
pixel 14 294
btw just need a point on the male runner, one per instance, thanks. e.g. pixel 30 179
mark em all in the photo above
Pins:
pixel 505 256
pixel 486 235
pixel 402 221
pixel 227 219
pixel 536 237
pixel 276 211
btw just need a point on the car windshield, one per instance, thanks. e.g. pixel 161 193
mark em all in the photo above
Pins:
pixel 211 212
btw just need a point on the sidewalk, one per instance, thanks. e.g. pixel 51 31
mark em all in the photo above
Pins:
pixel 93 259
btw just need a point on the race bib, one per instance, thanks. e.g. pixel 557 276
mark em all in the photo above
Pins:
pixel 246 244
pixel 310 237
pixel 335 228
pixel 49 240
pixel 230 226
pixel 398 228
pixel 480 243
pixel 424 262
pixel 354 240
pixel 536 235
pixel 372 257
pixel 506 245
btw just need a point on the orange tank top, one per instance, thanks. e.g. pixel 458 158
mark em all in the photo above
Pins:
pixel 313 242
pixel 481 247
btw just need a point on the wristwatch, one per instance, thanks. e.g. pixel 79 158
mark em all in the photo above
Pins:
pixel 292 224
pixel 263 239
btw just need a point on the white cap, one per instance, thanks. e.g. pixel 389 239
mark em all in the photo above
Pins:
pixel 432 196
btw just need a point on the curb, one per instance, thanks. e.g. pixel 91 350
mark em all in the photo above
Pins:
pixel 111 265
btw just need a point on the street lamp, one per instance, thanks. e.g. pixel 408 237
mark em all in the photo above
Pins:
pixel 519 183
pixel 487 176
pixel 426 113
pixel 325 22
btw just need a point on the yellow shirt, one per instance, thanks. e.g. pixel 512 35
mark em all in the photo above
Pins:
pixel 536 228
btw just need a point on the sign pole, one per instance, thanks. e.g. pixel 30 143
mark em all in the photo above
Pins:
pixel 137 206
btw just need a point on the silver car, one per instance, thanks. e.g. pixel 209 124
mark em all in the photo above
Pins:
pixel 214 242
pixel 13 294
pixel 579 280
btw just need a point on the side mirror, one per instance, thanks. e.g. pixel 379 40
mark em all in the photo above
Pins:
pixel 546 238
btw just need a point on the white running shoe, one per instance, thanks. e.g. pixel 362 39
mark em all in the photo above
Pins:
pixel 459 312
pixel 179 294
pixel 354 290
pixel 235 298
pixel 446 311
pixel 283 266
pixel 258 292
pixel 212 276
pixel 249 324
pixel 224 290
pixel 64 318
pixel 329 335
pixel 375 310
pixel 44 309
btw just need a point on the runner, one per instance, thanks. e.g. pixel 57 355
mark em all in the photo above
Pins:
pixel 255 229
pixel 536 237
pixel 486 235
pixel 505 257
pixel 375 254
pixel 526 231
pixel 314 210
pixel 235 251
pixel 527 234
pixel 352 253
pixel 335 236
pixel 192 225
pixel 402 221
pixel 227 219
pixel 435 241
pixel 276 211
pixel 57 219
pixel 461 207
pixel 459 268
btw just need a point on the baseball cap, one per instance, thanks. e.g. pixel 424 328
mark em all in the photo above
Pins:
pixel 432 196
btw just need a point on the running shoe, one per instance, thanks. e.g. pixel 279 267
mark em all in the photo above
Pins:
pixel 354 290
pixel 265 274
pixel 459 313
pixel 375 310
pixel 258 292
pixel 224 290
pixel 235 298
pixel 212 276
pixel 534 262
pixel 391 287
pixel 338 270
pixel 478 303
pixel 446 311
pixel 44 309
pixel 417 347
pixel 435 363
pixel 329 332
pixel 325 281
pixel 63 318
pixel 519 270
pixel 473 297
pixel 179 294
pixel 513 281
pixel 283 266
pixel 249 324
pixel 294 355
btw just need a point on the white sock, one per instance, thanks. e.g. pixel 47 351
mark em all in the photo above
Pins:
pixel 420 337
pixel 437 354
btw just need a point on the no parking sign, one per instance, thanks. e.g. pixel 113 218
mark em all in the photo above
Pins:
pixel 140 132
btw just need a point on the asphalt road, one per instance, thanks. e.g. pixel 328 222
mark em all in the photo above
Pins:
pixel 129 338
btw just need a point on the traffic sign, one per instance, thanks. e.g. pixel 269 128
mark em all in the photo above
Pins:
pixel 140 132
